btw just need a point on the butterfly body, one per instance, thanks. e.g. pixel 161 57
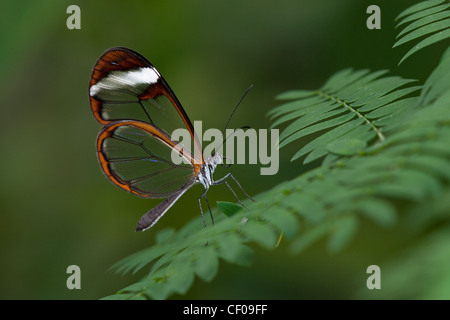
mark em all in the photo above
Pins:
pixel 205 176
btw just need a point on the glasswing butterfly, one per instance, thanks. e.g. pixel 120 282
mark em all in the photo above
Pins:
pixel 131 99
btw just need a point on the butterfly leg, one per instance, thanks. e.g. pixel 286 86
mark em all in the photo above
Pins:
pixel 239 185
pixel 209 207
pixel 234 194
pixel 223 180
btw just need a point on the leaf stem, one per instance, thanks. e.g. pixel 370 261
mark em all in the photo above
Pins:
pixel 344 104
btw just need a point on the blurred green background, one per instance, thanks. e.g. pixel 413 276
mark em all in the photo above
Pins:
pixel 57 207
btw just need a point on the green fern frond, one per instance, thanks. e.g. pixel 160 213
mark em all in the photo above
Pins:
pixel 437 82
pixel 429 19
pixel 344 115
pixel 195 251
pixel 412 166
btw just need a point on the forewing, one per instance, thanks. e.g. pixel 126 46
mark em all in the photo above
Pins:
pixel 126 86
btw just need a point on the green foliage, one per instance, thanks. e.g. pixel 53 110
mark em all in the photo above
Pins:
pixel 384 141
pixel 228 208
pixel 345 114
pixel 427 19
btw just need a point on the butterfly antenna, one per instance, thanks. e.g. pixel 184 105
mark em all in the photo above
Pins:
pixel 235 108
pixel 231 115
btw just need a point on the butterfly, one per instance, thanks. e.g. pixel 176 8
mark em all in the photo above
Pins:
pixel 132 101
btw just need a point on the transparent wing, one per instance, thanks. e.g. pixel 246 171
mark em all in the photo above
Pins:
pixel 138 157
pixel 126 86
pixel 153 215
